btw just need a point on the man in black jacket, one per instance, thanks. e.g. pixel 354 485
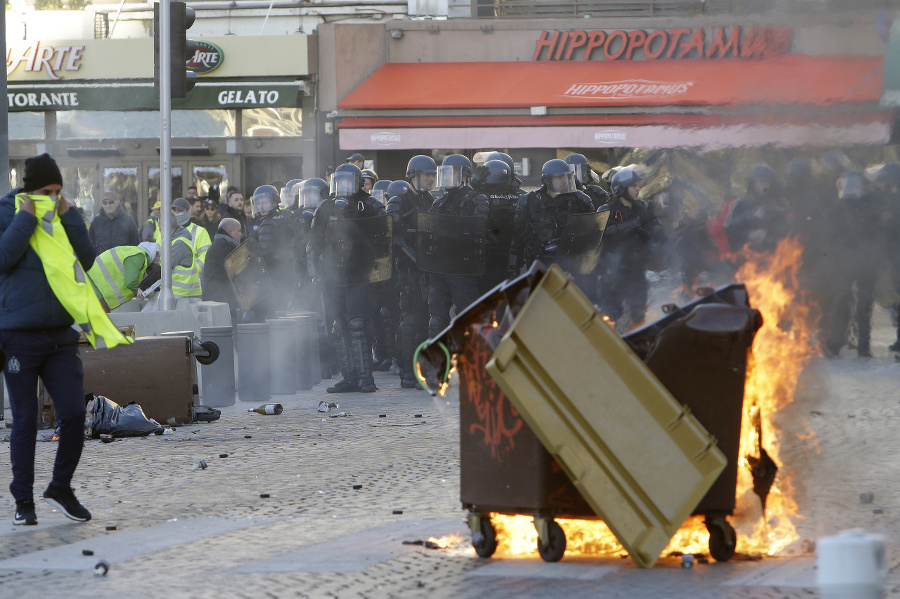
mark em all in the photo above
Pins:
pixel 113 226
pixel 216 284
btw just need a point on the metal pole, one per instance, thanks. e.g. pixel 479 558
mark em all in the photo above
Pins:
pixel 166 297
pixel 4 160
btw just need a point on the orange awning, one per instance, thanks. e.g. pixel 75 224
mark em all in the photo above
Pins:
pixel 778 81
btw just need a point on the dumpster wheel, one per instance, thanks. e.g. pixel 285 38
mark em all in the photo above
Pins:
pixel 484 535
pixel 722 539
pixel 213 350
pixel 551 543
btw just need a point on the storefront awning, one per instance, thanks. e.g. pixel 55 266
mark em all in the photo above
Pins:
pixel 779 81
pixel 704 132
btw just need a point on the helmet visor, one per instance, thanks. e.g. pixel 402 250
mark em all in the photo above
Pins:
pixel 449 176
pixel 851 187
pixel 344 184
pixel 311 197
pixel 262 204
pixel 424 181
pixel 562 183
pixel 378 194
pixel 582 173
pixel 287 198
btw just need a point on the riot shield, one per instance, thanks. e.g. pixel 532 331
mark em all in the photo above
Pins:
pixel 451 245
pixel 579 244
pixel 358 251
pixel 248 274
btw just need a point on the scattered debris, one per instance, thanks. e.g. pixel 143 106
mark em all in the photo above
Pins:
pixel 398 512
pixel 687 561
pixel 200 465
pixel 408 424
pixel 878 511
pixel 382 415
pixel 326 407
pixel 867 497
pixel 264 495
pixel 808 546
pixel 816 413
pixel 106 438
pixel 357 487
pixel 101 568
pixel 223 455
pixel 87 552
pixel 110 528
pixel 417 416
pixel 340 414
pixel 248 436
pixel 105 416
pixel 168 431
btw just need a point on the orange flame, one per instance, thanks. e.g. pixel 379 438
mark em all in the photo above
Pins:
pixel 780 350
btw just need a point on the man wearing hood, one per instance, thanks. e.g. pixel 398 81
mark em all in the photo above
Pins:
pixel 113 226
pixel 216 284
pixel 118 271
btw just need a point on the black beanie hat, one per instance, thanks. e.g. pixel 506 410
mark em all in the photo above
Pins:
pixel 40 171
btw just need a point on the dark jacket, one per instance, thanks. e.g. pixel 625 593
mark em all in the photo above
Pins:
pixel 362 205
pixel 226 211
pixel 26 300
pixel 108 232
pixel 630 235
pixel 403 209
pixel 216 284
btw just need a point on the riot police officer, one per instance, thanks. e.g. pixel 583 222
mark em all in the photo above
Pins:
pixel 584 180
pixel 446 291
pixel 274 232
pixel 379 190
pixel 759 218
pixel 347 306
pixel 369 178
pixel 627 251
pixel 496 180
pixel 516 186
pixel 888 179
pixel 421 173
pixel 542 214
pixel 310 194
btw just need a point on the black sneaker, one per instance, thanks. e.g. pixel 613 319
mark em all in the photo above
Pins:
pixel 367 388
pixel 64 499
pixel 25 513
pixel 410 384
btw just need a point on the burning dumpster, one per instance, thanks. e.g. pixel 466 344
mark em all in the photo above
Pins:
pixel 640 460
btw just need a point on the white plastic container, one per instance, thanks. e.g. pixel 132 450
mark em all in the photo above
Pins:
pixel 851 565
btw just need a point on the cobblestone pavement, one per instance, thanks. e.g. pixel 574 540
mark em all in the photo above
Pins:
pixel 181 532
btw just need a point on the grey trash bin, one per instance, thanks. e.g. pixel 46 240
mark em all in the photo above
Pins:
pixel 309 365
pixel 253 362
pixel 283 355
pixel 217 379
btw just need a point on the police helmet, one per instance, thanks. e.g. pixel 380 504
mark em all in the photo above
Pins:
pixel 624 178
pixel 504 157
pixel 312 192
pixel 608 175
pixel 288 197
pixel 418 166
pixel 851 185
pixel 396 188
pixel 455 171
pixel 379 190
pixel 580 166
pixel 493 172
pixel 889 174
pixel 761 178
pixel 368 173
pixel 264 200
pixel 345 181
pixel 799 170
pixel 556 177
pixel 835 161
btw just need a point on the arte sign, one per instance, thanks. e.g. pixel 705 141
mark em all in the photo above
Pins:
pixel 677 43
pixel 207 58
pixel 47 59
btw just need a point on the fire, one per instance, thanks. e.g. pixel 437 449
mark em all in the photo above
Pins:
pixel 781 348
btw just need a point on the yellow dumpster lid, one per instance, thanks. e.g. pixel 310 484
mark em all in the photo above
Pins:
pixel 641 460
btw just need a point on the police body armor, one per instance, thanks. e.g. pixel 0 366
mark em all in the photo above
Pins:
pixel 249 276
pixel 358 251
pixel 450 244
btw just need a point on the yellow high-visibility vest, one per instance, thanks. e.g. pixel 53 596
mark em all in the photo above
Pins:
pixel 108 274
pixel 66 277
pixel 200 242
pixel 186 279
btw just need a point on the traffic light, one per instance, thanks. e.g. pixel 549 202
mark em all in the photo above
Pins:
pixel 180 20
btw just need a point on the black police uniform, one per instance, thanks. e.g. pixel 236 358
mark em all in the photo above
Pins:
pixel 275 234
pixel 539 222
pixel 411 283
pixel 348 307
pixel 627 251
pixel 500 232
pixel 446 291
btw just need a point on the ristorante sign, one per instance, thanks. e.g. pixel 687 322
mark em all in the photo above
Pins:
pixel 681 42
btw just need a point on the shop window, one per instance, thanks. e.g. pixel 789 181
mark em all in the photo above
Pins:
pixel 90 124
pixel 78 186
pixel 153 184
pixel 272 122
pixel 26 125
pixel 210 179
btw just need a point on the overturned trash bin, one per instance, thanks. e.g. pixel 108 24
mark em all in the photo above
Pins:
pixel 644 484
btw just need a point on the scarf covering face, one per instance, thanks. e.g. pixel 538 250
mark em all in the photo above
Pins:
pixel 66 277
